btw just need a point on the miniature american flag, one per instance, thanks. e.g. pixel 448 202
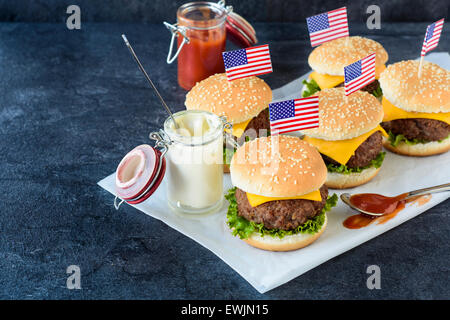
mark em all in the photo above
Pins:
pixel 247 62
pixel 293 115
pixel 432 36
pixel 328 26
pixel 359 74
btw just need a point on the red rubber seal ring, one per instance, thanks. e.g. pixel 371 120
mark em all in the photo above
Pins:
pixel 155 186
pixel 152 166
pixel 240 31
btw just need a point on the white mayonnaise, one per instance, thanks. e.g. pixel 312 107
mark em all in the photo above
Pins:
pixel 195 162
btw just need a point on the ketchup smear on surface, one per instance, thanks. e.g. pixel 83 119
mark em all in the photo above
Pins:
pixel 377 203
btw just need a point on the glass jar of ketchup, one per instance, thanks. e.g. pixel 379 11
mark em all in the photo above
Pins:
pixel 201 35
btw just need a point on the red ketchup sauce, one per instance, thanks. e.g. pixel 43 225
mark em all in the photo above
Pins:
pixel 371 202
pixel 202 56
pixel 376 203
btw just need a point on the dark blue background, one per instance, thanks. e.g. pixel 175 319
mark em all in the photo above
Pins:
pixel 254 10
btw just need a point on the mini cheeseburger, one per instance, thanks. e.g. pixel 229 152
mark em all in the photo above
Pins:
pixel 244 103
pixel 279 200
pixel 416 111
pixel 329 59
pixel 349 136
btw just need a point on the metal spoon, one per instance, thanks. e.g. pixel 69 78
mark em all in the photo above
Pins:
pixel 149 80
pixel 345 197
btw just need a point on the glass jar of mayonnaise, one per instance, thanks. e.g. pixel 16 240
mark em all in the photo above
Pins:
pixel 194 161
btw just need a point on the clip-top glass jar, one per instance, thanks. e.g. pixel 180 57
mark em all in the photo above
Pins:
pixel 195 162
pixel 202 41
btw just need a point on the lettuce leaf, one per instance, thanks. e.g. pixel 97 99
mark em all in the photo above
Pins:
pixel 243 228
pixel 396 139
pixel 346 170
pixel 228 154
pixel 377 92
pixel 311 88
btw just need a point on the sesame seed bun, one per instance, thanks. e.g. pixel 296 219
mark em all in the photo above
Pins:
pixel 238 100
pixel 342 117
pixel 332 56
pixel 287 243
pixel 337 180
pixel 419 149
pixel 278 166
pixel 402 86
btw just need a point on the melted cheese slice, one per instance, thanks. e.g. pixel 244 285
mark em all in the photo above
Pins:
pixel 391 112
pixel 379 70
pixel 342 150
pixel 326 81
pixel 239 128
pixel 256 200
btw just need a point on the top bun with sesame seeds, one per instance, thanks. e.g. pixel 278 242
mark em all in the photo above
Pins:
pixel 278 166
pixel 345 117
pixel 238 100
pixel 402 87
pixel 332 56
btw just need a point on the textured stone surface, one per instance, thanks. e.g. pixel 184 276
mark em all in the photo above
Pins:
pixel 154 11
pixel 72 103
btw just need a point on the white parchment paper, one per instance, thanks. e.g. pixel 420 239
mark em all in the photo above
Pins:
pixel 267 270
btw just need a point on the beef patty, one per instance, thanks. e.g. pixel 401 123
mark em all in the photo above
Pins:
pixel 261 121
pixel 369 88
pixel 365 153
pixel 281 214
pixel 418 128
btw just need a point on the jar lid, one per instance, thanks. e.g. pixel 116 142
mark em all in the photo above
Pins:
pixel 240 31
pixel 139 174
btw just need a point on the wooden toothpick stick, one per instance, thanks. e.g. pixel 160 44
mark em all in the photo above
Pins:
pixel 420 66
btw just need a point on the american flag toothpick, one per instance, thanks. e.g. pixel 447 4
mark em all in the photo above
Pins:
pixel 359 74
pixel 247 62
pixel 328 26
pixel 432 36
pixel 431 40
pixel 293 115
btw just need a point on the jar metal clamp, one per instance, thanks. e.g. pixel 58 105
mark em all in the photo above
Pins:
pixel 177 30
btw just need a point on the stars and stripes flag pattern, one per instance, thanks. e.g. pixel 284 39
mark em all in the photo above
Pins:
pixel 432 36
pixel 247 62
pixel 328 26
pixel 359 74
pixel 294 115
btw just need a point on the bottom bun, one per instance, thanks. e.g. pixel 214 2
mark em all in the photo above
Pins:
pixel 419 149
pixel 287 243
pixel 343 181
